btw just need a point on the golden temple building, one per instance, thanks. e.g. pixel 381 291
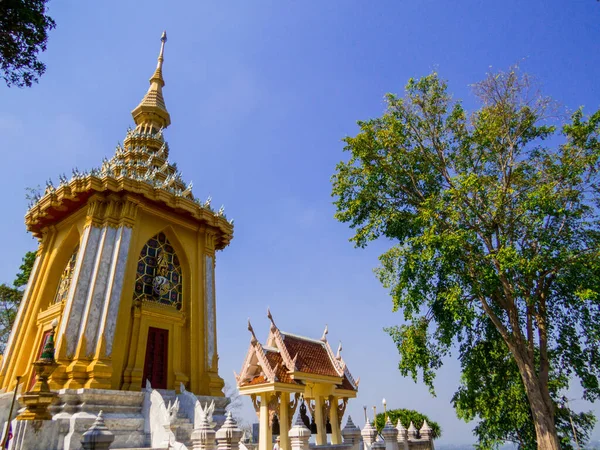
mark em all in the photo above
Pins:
pixel 290 371
pixel 125 271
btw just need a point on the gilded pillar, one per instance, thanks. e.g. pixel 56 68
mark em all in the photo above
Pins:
pixel 265 438
pixel 284 421
pixel 12 344
pixel 321 438
pixel 334 419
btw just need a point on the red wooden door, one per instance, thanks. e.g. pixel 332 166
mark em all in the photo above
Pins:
pixel 155 365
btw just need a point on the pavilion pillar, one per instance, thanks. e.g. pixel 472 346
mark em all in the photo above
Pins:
pixel 321 438
pixel 265 438
pixel 284 421
pixel 336 435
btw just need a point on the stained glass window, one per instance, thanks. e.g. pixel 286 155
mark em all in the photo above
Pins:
pixel 65 279
pixel 158 277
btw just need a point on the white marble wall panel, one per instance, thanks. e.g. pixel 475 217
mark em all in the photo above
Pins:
pixel 24 303
pixel 73 285
pixel 209 301
pixel 98 289
pixel 82 276
pixel 113 294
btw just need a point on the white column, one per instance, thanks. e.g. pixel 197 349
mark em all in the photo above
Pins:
pixel 209 301
pixel 82 275
pixel 115 287
pixel 97 290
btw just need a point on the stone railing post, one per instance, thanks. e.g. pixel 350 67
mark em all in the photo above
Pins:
pixel 351 434
pixel 369 435
pixel 203 437
pixel 426 433
pixel 412 432
pixel 229 435
pixel 378 445
pixel 390 436
pixel 402 436
pixel 299 435
pixel 98 436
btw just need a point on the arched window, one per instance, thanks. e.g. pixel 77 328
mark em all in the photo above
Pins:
pixel 65 279
pixel 158 277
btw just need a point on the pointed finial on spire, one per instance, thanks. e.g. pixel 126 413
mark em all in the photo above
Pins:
pixel 152 109
pixel 324 337
pixel 339 351
pixel 161 57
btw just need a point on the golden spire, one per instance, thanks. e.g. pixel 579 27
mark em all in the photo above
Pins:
pixel 152 109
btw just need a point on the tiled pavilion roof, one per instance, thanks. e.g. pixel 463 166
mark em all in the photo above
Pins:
pixel 288 357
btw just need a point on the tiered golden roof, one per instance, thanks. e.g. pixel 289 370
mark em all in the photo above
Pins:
pixel 140 166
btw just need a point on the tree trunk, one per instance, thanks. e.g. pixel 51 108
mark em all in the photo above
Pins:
pixel 542 412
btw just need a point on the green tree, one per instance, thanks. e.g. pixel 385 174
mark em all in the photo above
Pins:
pixel 493 220
pixel 10 298
pixel 24 27
pixel 406 416
pixel 25 270
pixel 491 389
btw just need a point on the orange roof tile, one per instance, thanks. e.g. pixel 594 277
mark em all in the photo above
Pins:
pixel 256 380
pixel 282 374
pixel 312 355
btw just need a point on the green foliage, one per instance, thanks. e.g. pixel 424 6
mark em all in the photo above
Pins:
pixel 495 224
pixel 9 303
pixel 491 389
pixel 25 270
pixel 10 298
pixel 25 26
pixel 407 416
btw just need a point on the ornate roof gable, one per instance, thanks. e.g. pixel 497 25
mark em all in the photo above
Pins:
pixel 310 356
pixel 256 359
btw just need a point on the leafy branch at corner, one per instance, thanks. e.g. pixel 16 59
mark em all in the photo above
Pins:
pixel 497 235
pixel 24 27
pixel 10 298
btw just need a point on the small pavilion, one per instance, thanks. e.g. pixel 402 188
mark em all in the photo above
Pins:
pixel 292 370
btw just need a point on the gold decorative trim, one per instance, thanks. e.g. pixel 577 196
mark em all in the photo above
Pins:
pixel 51 312
pixel 67 194
pixel 153 309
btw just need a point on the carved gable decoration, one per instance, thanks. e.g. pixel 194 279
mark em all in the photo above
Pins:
pixel 66 277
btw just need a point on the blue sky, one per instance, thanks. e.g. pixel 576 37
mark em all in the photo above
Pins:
pixel 260 95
